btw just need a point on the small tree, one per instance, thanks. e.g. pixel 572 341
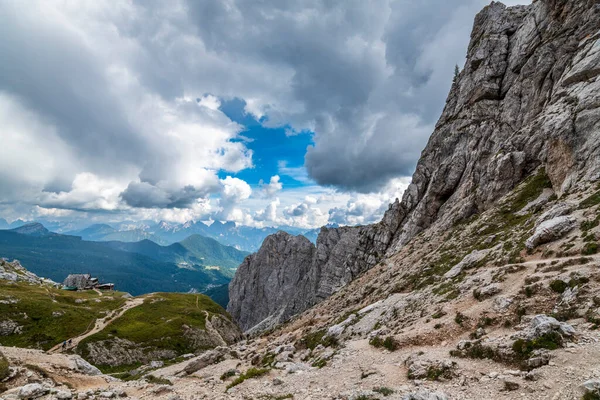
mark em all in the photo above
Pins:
pixel 456 73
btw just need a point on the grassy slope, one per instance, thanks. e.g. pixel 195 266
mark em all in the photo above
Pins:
pixel 57 256
pixel 159 321
pixel 40 328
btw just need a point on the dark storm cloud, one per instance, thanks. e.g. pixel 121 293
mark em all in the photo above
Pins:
pixel 370 78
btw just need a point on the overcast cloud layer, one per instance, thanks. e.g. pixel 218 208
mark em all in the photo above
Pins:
pixel 112 108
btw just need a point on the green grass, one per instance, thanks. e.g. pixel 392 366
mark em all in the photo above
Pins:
pixel 382 390
pixel 590 201
pixel 159 321
pixel 35 305
pixel 531 189
pixel 313 339
pixel 558 286
pixel 320 363
pixel 4 371
pixel 591 396
pixel 157 380
pixel 388 343
pixel 589 249
pixel 250 374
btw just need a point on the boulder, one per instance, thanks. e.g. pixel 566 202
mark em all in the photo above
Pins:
pixel 80 365
pixel 467 262
pixel 425 395
pixel 551 230
pixel 207 358
pixel 591 386
pixel 32 391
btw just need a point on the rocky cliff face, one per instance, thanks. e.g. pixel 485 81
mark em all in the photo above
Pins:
pixel 528 96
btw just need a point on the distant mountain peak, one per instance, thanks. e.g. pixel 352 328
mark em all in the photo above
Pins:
pixel 32 229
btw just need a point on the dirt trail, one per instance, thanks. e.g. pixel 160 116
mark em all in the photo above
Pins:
pixel 99 325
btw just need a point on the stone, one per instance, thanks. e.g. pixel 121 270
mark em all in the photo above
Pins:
pixel 467 262
pixel 591 386
pixel 419 368
pixel 63 395
pixel 156 364
pixel 425 395
pixel 510 385
pixel 551 230
pixel 80 365
pixel 32 391
pixel 543 324
pixel 207 358
pixel 107 395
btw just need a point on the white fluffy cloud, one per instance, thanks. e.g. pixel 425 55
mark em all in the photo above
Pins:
pixel 272 188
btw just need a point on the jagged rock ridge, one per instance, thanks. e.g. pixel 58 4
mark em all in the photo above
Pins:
pixel 528 96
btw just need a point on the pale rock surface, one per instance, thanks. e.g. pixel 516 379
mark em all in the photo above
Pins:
pixel 551 230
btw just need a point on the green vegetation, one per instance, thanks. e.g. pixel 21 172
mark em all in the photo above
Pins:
pixel 591 396
pixel 159 322
pixel 460 318
pixel 320 363
pixel 590 201
pixel 157 380
pixel 550 341
pixel 250 374
pixel 313 339
pixel 228 374
pixel 558 286
pixel 385 391
pixel 4 371
pixel 589 249
pixel 531 189
pixel 49 316
pixel 388 343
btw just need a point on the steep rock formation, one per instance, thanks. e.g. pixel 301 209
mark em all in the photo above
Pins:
pixel 528 96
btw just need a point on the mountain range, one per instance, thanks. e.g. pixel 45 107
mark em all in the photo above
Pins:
pixel 242 237
pixel 196 263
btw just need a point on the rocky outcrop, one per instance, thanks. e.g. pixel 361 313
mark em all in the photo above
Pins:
pixel 289 274
pixel 528 97
pixel 550 230
pixel 15 272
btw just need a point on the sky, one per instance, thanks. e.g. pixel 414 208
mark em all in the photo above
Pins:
pixel 266 113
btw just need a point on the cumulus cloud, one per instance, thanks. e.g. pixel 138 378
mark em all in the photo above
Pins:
pixel 272 188
pixel 363 209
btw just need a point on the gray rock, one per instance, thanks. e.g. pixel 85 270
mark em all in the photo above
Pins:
pixel 80 365
pixel 207 358
pixel 10 327
pixel 551 230
pixel 63 395
pixel 467 262
pixel 32 391
pixel 419 368
pixel 591 386
pixel 107 395
pixel 542 324
pixel 425 395
pixel 558 210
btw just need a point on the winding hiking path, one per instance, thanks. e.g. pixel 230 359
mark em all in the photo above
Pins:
pixel 99 325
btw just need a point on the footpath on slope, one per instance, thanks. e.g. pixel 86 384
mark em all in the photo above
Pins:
pixel 99 325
